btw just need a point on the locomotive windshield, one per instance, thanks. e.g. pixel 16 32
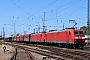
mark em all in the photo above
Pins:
pixel 78 32
pixel 81 32
pixel 75 32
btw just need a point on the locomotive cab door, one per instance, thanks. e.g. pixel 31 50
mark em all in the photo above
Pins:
pixel 68 37
pixel 44 37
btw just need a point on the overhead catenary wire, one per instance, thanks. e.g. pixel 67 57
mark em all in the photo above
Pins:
pixel 59 7
pixel 68 14
pixel 60 11
pixel 71 12
pixel 46 6
pixel 8 7
pixel 60 15
pixel 20 8
pixel 54 12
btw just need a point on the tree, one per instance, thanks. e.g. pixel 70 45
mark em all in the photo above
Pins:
pixel 84 28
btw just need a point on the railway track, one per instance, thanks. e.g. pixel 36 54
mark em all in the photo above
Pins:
pixel 57 53
pixel 40 51
pixel 73 54
pixel 31 57
pixel 22 54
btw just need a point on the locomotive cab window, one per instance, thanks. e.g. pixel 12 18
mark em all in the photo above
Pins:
pixel 81 32
pixel 75 32
pixel 44 35
pixel 78 32
pixel 69 33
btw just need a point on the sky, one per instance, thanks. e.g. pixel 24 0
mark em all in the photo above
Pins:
pixel 26 15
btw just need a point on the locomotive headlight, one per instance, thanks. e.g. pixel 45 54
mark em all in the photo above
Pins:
pixel 83 37
pixel 76 37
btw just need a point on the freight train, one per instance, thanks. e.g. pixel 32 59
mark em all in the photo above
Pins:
pixel 70 37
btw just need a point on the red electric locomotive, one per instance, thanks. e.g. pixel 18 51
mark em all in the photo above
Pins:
pixel 68 38
pixel 36 38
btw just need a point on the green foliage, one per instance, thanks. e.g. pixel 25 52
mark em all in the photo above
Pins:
pixel 84 28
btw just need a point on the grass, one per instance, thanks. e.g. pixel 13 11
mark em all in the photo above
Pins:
pixel 1 41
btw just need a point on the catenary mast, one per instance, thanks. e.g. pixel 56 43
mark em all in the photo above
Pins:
pixel 88 19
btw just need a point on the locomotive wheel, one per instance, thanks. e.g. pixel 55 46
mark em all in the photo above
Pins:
pixel 81 46
pixel 74 46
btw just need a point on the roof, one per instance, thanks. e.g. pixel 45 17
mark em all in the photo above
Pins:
pixel 70 28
